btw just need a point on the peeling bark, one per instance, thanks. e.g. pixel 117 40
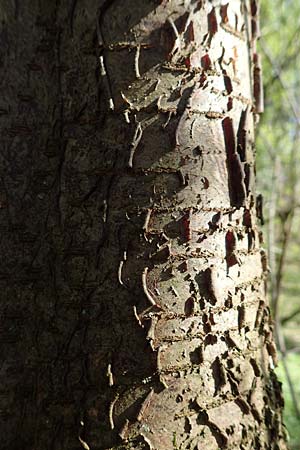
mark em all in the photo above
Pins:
pixel 133 309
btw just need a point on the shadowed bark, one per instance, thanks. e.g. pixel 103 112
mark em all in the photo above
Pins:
pixel 133 280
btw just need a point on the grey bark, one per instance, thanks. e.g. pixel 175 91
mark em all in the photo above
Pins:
pixel 133 307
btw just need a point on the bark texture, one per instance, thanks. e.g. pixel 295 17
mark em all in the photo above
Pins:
pixel 133 280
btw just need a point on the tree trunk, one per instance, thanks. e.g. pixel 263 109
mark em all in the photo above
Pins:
pixel 133 306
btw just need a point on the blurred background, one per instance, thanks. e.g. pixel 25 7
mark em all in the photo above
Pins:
pixel 278 180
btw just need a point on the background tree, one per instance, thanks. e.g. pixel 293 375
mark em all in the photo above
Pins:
pixel 134 313
pixel 278 168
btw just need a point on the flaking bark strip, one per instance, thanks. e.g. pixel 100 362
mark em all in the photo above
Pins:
pixel 236 173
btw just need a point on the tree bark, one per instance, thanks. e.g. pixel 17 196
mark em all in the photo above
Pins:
pixel 133 311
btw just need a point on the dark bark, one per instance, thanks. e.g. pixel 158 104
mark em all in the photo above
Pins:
pixel 133 306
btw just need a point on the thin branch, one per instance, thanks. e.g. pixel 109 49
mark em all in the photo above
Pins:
pixel 290 316
pixel 277 72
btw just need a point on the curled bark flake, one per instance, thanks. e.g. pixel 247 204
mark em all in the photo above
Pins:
pixel 126 115
pixel 192 129
pixel 137 317
pixel 145 405
pixel 135 142
pixel 126 100
pixel 173 290
pixel 170 114
pixel 111 412
pixel 147 219
pixel 157 83
pixel 182 177
pixel 83 443
pixel 145 288
pixel 120 272
pixel 177 43
pixel 106 82
pixel 205 182
pixel 136 61
pixel 109 375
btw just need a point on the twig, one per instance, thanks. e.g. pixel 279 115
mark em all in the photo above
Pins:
pixel 277 72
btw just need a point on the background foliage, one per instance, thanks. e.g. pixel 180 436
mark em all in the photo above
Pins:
pixel 278 168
